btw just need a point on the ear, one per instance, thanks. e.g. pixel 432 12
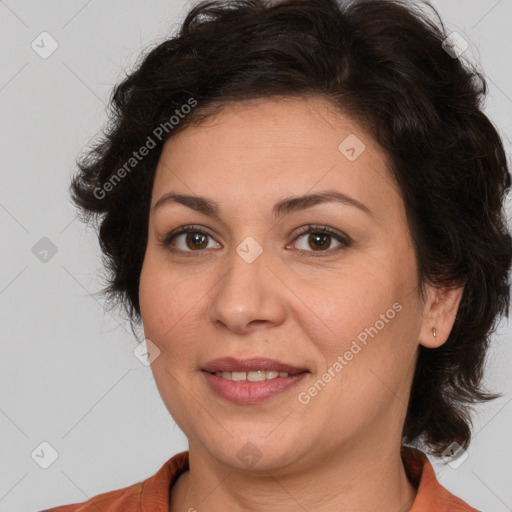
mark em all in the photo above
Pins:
pixel 440 310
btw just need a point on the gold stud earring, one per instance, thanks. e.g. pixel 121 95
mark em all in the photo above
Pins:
pixel 434 331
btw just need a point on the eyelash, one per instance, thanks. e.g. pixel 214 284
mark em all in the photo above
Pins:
pixel 344 240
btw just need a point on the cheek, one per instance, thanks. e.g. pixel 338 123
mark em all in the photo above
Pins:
pixel 347 305
pixel 169 310
pixel 367 321
pixel 169 306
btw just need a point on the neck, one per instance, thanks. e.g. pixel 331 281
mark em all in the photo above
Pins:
pixel 368 479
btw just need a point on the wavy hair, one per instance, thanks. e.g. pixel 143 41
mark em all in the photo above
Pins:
pixel 388 65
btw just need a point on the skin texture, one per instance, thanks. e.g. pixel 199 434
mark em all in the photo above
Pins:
pixel 295 303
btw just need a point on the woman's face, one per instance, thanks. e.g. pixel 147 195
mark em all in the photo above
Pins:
pixel 251 280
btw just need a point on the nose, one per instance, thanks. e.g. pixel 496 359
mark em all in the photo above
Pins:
pixel 247 296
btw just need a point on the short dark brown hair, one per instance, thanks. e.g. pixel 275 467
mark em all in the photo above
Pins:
pixel 385 64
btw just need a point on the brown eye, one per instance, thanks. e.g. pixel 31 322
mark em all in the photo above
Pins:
pixel 196 240
pixel 320 239
pixel 188 239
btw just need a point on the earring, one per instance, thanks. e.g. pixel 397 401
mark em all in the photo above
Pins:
pixel 434 331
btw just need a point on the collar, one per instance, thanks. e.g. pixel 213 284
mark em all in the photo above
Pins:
pixel 431 495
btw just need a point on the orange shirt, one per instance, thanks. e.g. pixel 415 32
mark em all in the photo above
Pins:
pixel 152 495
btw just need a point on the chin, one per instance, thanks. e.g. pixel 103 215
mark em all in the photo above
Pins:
pixel 256 452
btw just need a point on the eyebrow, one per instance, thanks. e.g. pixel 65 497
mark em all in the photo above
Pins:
pixel 280 209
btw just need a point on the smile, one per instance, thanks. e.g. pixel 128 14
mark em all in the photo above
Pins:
pixel 247 391
pixel 254 376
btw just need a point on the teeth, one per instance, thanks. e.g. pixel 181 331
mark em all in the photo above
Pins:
pixel 254 376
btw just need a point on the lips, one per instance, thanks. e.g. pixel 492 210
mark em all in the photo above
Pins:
pixel 231 364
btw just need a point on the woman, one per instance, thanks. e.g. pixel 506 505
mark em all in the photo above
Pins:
pixel 301 203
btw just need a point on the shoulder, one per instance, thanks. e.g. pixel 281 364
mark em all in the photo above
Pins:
pixel 150 494
pixel 126 498
pixel 431 495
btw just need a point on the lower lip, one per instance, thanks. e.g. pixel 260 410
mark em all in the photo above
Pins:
pixel 251 392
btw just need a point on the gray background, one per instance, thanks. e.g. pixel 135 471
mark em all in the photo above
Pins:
pixel 68 376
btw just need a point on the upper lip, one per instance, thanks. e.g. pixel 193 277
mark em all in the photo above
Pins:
pixel 231 364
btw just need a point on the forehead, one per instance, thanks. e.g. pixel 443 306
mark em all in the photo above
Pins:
pixel 267 149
